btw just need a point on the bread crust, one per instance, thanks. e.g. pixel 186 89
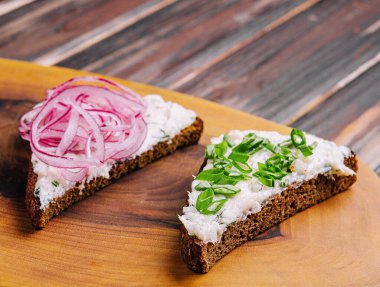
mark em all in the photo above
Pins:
pixel 200 256
pixel 188 136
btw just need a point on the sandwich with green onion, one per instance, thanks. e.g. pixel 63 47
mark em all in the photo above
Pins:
pixel 251 181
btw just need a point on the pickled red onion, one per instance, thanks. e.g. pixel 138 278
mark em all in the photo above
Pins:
pixel 83 123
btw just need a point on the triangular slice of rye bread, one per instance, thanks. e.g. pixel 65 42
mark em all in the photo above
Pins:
pixel 46 197
pixel 206 238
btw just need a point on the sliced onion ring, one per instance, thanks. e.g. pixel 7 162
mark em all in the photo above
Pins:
pixel 84 123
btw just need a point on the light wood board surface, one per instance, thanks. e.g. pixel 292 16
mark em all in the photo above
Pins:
pixel 127 234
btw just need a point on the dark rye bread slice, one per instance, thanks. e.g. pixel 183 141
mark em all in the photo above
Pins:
pixel 200 256
pixel 189 135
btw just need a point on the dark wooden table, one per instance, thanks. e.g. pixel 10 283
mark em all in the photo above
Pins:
pixel 311 64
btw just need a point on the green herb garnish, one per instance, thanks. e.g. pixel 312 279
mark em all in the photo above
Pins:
pixel 299 141
pixel 238 156
pixel 220 149
pixel 55 183
pixel 284 183
pixel 202 185
pixel 227 171
pixel 210 175
pixel 266 181
pixel 242 167
pixel 226 189
pixel 298 137
pixel 218 176
pixel 227 139
pixel 205 201
pixel 210 152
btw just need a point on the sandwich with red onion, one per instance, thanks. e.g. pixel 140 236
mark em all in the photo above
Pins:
pixel 90 131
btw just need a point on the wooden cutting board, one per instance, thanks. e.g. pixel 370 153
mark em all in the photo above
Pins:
pixel 127 234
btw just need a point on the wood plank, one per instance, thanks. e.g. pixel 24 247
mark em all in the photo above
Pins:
pixel 363 135
pixel 12 14
pixel 29 14
pixel 190 34
pixel 96 35
pixel 280 73
pixel 352 116
pixel 129 231
pixel 315 102
pixel 11 5
pixel 331 116
pixel 54 23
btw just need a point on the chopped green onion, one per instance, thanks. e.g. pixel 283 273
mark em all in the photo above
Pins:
pixel 299 141
pixel 266 181
pixel 227 180
pixel 220 149
pixel 270 174
pixel 250 142
pixel 275 160
pixel 269 146
pixel 210 152
pixel 226 189
pixel 298 137
pixel 286 143
pixel 261 166
pixel 227 172
pixel 238 156
pixel 257 142
pixel 221 163
pixel 242 167
pixel 202 186
pixel 218 176
pixel 233 173
pixel 249 138
pixel 204 200
pixel 255 150
pixel 220 203
pixel 285 150
pixel 228 140
pixel 305 150
pixel 314 145
pixel 210 175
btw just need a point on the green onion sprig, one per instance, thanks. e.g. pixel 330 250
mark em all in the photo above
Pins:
pixel 299 141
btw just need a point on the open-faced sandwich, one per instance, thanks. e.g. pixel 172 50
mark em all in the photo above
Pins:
pixel 251 181
pixel 90 131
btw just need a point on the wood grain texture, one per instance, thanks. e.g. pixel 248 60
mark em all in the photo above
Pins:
pixel 128 233
pixel 367 139
pixel 7 6
pixel 177 40
pixel 277 75
pixel 57 22
pixel 101 33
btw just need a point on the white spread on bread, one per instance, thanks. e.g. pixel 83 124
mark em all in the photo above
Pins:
pixel 327 158
pixel 164 121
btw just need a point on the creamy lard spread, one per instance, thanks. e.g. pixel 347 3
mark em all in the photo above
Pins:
pixel 327 158
pixel 164 121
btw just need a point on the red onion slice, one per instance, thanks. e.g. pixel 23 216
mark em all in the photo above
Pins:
pixel 85 122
